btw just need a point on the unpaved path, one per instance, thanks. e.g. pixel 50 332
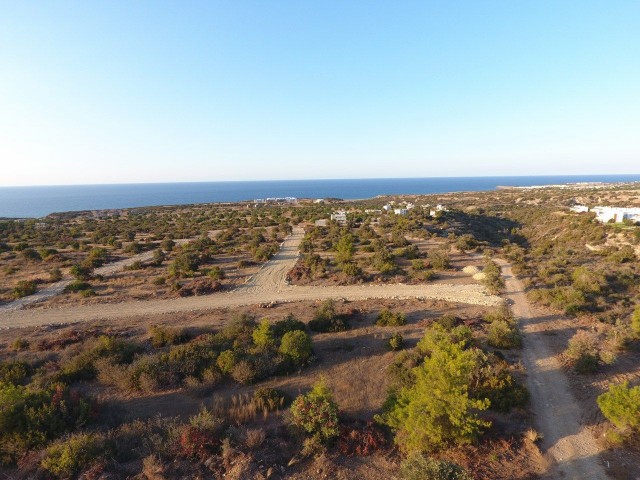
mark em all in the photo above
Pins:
pixel 267 286
pixel 568 443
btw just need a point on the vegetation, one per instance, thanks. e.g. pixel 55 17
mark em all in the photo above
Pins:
pixel 316 413
pixel 621 406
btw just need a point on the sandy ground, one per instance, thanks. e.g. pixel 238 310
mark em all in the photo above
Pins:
pixel 267 286
pixel 568 443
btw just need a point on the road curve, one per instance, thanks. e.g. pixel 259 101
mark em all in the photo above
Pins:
pixel 268 285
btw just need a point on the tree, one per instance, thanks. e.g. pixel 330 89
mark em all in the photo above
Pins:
pixel 437 408
pixel 621 406
pixel 263 335
pixel 635 321
pixel 345 249
pixel 296 345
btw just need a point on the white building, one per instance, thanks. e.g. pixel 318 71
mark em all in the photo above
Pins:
pixel 579 208
pixel 387 207
pixel 339 216
pixel 617 214
pixel 400 211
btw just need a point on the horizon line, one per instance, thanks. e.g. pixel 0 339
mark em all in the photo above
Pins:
pixel 325 179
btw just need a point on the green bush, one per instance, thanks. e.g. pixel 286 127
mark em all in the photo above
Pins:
pixel 297 347
pixel 621 406
pixel 24 288
pixel 316 412
pixel 29 418
pixel 504 335
pixel 396 341
pixel 493 277
pixel 14 372
pixel 226 361
pixel 81 272
pixel 216 273
pixel 418 467
pixel 387 318
pixel 288 324
pixel 71 456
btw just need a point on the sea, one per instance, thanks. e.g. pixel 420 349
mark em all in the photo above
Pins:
pixel 39 201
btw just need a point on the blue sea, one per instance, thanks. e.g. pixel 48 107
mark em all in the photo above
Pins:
pixel 26 202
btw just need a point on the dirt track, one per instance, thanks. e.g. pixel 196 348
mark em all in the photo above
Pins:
pixel 268 285
pixel 568 444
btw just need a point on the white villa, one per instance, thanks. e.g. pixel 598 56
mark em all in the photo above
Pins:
pixel 617 214
pixel 339 216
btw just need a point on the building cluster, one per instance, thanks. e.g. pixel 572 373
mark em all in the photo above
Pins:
pixel 608 214
pixel 276 200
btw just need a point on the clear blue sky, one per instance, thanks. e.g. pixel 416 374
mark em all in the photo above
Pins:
pixel 135 91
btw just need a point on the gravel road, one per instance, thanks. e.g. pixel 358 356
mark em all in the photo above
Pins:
pixel 567 443
pixel 266 286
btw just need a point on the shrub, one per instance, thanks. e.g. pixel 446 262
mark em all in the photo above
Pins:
pixel 493 277
pixel 439 258
pixel 387 318
pixel 582 352
pixel 14 372
pixel 70 456
pixel 20 344
pixel 29 418
pixel 361 441
pixel 159 281
pixel 316 412
pixel 621 406
pixel 263 336
pixel 635 321
pixel 77 286
pixel 418 467
pixel 287 324
pixel 195 442
pixel 350 269
pixel 396 341
pixel 327 320
pixel 163 336
pixel 216 273
pixel 245 372
pixel 297 347
pixel 24 288
pixel 55 275
pixel 504 335
pixel 81 272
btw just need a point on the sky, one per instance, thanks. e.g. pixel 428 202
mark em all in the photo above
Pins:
pixel 125 92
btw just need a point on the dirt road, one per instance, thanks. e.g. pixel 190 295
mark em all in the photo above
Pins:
pixel 568 444
pixel 267 286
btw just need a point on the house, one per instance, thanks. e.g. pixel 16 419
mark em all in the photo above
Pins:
pixel 617 214
pixel 400 211
pixel 339 216
pixel 387 207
